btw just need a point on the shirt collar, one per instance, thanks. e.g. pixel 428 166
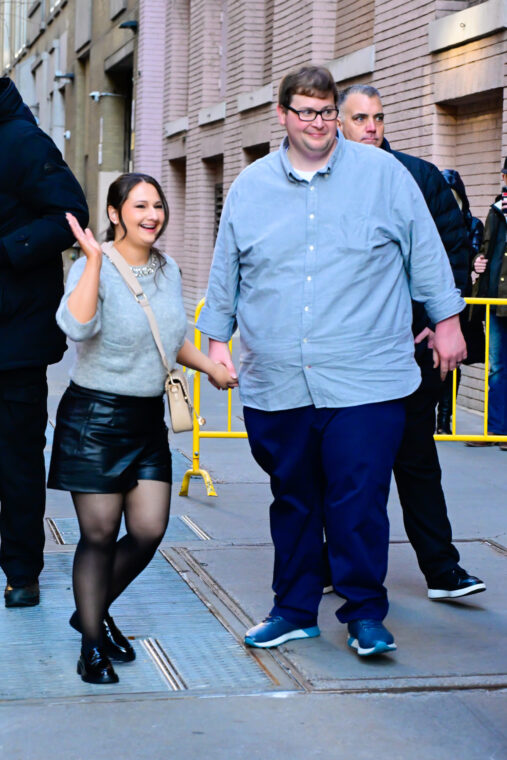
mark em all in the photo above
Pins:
pixel 291 172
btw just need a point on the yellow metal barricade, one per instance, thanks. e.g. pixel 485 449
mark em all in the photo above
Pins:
pixel 488 303
pixel 197 433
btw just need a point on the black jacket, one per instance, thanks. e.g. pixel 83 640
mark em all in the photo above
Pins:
pixel 448 220
pixel 36 189
pixel 493 282
pixel 474 226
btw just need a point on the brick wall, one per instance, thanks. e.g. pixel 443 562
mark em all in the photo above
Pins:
pixel 150 86
pixel 438 105
pixel 354 26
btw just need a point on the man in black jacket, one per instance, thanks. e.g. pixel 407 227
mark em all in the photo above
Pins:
pixel 417 469
pixel 36 189
pixel 492 266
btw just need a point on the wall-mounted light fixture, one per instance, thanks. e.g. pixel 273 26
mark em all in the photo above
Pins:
pixel 58 75
pixel 96 95
pixel 132 25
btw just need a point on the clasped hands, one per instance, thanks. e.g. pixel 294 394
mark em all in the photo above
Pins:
pixel 219 354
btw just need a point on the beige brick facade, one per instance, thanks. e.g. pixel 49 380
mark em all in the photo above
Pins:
pixel 444 104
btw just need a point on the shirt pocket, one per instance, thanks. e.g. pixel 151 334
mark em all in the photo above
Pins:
pixel 360 234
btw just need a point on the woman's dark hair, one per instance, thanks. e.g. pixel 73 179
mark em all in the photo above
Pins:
pixel 118 193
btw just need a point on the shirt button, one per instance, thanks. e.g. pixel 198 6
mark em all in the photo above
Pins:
pixel 307 308
pixel 309 278
pixel 312 188
pixel 312 247
pixel 312 216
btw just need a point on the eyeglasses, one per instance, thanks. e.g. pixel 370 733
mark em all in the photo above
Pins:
pixel 310 114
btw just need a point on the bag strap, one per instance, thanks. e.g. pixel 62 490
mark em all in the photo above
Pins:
pixel 135 288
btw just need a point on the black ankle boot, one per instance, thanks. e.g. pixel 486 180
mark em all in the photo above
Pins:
pixel 444 413
pixel 95 667
pixel 114 644
pixel 444 424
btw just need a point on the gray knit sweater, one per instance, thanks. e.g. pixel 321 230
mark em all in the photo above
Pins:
pixel 116 352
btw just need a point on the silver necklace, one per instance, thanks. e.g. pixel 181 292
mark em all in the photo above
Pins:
pixel 146 269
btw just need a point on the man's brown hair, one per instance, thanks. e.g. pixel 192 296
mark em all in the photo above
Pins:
pixel 313 81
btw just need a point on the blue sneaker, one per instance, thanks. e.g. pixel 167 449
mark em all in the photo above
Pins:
pixel 274 631
pixel 369 637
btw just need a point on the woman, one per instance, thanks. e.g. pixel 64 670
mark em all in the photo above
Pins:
pixel 110 446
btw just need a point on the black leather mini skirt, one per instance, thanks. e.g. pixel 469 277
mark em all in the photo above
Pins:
pixel 106 442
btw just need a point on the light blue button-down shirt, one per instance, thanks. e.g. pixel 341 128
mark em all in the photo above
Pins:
pixel 319 277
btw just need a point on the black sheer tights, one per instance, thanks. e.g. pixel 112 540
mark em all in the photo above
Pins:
pixel 103 566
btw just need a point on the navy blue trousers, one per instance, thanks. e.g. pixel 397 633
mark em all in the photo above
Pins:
pixel 329 468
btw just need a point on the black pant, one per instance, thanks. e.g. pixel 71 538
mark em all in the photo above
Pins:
pixel 418 477
pixel 23 419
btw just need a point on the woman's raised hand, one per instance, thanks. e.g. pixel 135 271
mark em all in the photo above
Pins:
pixel 85 238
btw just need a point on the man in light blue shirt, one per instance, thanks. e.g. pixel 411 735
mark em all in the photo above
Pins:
pixel 321 247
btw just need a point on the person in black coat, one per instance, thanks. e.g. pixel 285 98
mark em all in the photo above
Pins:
pixel 491 264
pixel 36 189
pixel 417 469
pixel 475 232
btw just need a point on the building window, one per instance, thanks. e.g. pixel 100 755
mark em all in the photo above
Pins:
pixel 116 7
pixel 219 204
pixel 6 33
pixel 472 128
pixel 222 78
pixel 20 25
pixel 254 152
pixel 176 181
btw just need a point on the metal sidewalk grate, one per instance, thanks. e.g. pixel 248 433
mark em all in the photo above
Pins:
pixel 204 654
pixel 178 641
pixel 40 649
pixel 181 528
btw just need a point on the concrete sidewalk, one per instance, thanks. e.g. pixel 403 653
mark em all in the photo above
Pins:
pixel 196 691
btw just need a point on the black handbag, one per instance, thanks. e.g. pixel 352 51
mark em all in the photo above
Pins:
pixel 472 328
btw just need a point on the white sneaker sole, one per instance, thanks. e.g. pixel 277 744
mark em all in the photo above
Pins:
pixel 381 647
pixel 298 633
pixel 441 593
